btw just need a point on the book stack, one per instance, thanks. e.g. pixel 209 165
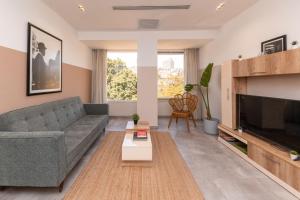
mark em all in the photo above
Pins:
pixel 140 135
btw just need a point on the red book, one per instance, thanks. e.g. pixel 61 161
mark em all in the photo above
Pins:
pixel 140 134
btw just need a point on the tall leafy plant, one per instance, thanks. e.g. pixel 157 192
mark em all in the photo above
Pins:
pixel 203 85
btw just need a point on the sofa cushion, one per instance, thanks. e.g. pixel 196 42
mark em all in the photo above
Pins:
pixel 80 133
pixel 69 111
pixel 92 119
pixel 51 116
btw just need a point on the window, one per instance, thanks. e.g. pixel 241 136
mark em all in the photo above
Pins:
pixel 170 74
pixel 121 75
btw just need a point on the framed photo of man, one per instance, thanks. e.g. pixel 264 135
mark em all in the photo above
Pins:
pixel 44 62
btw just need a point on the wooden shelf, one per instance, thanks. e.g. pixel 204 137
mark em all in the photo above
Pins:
pixel 260 168
pixel 286 62
pixel 270 159
pixel 230 146
pixel 247 138
pixel 239 136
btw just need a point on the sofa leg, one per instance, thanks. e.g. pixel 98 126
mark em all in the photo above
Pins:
pixel 61 187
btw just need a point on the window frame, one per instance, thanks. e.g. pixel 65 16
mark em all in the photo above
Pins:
pixel 159 52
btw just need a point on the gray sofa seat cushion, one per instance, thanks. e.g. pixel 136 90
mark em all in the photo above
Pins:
pixel 92 119
pixel 82 132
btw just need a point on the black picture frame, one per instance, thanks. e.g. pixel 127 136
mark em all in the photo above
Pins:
pixel 44 62
pixel 274 45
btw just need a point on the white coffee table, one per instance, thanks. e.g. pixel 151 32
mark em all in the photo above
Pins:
pixel 136 150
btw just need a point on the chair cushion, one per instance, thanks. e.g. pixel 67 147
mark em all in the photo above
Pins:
pixel 181 114
pixel 80 133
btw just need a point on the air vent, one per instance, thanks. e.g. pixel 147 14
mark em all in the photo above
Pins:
pixel 148 23
pixel 175 7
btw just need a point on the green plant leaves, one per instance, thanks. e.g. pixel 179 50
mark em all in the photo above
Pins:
pixel 135 117
pixel 188 87
pixel 204 82
pixel 206 75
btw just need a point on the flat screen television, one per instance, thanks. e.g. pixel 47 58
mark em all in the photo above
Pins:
pixel 273 119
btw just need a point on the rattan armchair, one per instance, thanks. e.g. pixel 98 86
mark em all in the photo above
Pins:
pixel 183 107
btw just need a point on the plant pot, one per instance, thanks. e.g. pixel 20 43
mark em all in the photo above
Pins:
pixel 294 157
pixel 211 126
pixel 135 122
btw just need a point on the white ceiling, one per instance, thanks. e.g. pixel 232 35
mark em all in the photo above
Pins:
pixel 132 45
pixel 100 16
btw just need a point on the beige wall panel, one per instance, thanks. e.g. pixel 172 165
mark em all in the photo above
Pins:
pixel 13 69
pixel 147 94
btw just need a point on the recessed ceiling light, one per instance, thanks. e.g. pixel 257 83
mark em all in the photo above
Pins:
pixel 81 8
pixel 220 6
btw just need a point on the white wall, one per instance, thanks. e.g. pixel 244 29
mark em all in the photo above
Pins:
pixel 147 104
pixel 264 20
pixel 127 108
pixel 122 108
pixel 15 14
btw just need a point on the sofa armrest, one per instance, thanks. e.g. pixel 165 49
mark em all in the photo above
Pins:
pixel 96 109
pixel 35 159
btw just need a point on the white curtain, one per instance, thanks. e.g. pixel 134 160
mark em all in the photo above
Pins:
pixel 191 74
pixel 99 76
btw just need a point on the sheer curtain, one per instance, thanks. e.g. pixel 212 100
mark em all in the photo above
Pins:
pixel 191 74
pixel 99 76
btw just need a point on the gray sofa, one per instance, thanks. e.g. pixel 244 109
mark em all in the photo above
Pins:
pixel 40 144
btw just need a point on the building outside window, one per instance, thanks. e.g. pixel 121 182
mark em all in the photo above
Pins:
pixel 170 74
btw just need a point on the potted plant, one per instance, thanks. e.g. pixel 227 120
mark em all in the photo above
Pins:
pixel 294 155
pixel 294 44
pixel 210 123
pixel 135 118
pixel 240 57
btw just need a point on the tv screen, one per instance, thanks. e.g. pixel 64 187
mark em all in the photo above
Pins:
pixel 273 119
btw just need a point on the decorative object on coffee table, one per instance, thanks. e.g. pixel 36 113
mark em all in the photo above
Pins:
pixel 142 125
pixel 140 135
pixel 135 118
pixel 274 45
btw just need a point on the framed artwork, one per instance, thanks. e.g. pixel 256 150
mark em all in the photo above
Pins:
pixel 44 62
pixel 274 45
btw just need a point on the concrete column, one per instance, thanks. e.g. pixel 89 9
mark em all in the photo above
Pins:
pixel 147 106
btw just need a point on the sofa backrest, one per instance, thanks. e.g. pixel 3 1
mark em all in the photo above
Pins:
pixel 52 116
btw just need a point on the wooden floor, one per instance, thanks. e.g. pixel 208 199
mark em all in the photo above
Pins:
pixel 220 173
pixel 105 178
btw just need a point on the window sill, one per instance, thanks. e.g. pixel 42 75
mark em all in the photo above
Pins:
pixel 134 101
pixel 121 101
pixel 164 98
